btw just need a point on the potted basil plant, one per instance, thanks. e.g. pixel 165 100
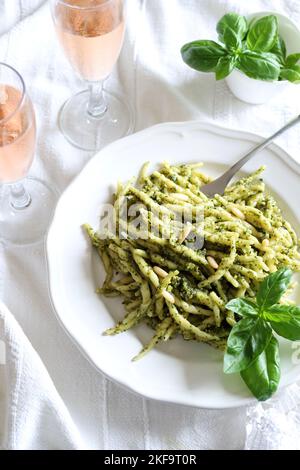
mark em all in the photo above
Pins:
pixel 258 55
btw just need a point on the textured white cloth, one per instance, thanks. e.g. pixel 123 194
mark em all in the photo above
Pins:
pixel 50 396
pixel 32 405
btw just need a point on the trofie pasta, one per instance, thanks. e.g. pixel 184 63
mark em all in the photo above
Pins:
pixel 177 257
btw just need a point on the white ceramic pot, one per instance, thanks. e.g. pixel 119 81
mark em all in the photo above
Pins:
pixel 257 91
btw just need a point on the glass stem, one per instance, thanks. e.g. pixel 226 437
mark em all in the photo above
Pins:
pixel 19 197
pixel 97 106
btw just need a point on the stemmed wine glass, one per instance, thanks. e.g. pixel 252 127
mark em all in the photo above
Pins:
pixel 25 204
pixel 91 33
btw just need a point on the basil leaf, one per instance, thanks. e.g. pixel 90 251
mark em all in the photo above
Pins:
pixel 262 66
pixel 285 320
pixel 292 59
pixel 279 49
pixel 225 67
pixel 242 307
pixel 281 313
pixel 202 55
pixel 263 34
pixel 263 376
pixel 247 340
pixel 272 288
pixel 232 29
pixel 292 73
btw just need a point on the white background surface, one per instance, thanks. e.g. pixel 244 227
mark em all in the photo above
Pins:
pixel 150 73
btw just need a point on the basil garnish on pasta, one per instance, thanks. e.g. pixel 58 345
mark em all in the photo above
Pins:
pixel 200 288
pixel 252 348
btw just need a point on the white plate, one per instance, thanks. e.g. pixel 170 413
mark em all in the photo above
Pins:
pixel 179 372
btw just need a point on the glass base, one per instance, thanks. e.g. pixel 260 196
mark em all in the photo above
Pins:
pixel 30 224
pixel 92 133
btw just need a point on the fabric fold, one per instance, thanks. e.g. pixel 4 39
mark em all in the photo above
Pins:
pixel 34 415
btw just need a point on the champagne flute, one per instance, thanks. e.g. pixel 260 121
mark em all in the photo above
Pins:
pixel 25 207
pixel 91 33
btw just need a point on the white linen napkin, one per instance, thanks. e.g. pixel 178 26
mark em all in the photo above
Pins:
pixel 30 404
pixel 50 396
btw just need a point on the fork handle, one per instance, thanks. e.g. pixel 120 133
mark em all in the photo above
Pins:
pixel 238 165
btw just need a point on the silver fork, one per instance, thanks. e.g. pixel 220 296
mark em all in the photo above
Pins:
pixel 219 185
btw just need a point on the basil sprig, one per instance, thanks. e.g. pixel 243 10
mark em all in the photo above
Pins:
pixel 232 30
pixel 262 66
pixel 203 56
pixel 252 349
pixel 263 34
pixel 247 340
pixel 279 50
pixel 256 49
pixel 263 376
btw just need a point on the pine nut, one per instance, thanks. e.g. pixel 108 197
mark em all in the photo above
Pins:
pixel 169 297
pixel 212 262
pixel 239 214
pixel 160 272
pixel 185 233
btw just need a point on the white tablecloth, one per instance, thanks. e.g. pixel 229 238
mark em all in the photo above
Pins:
pixel 50 396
